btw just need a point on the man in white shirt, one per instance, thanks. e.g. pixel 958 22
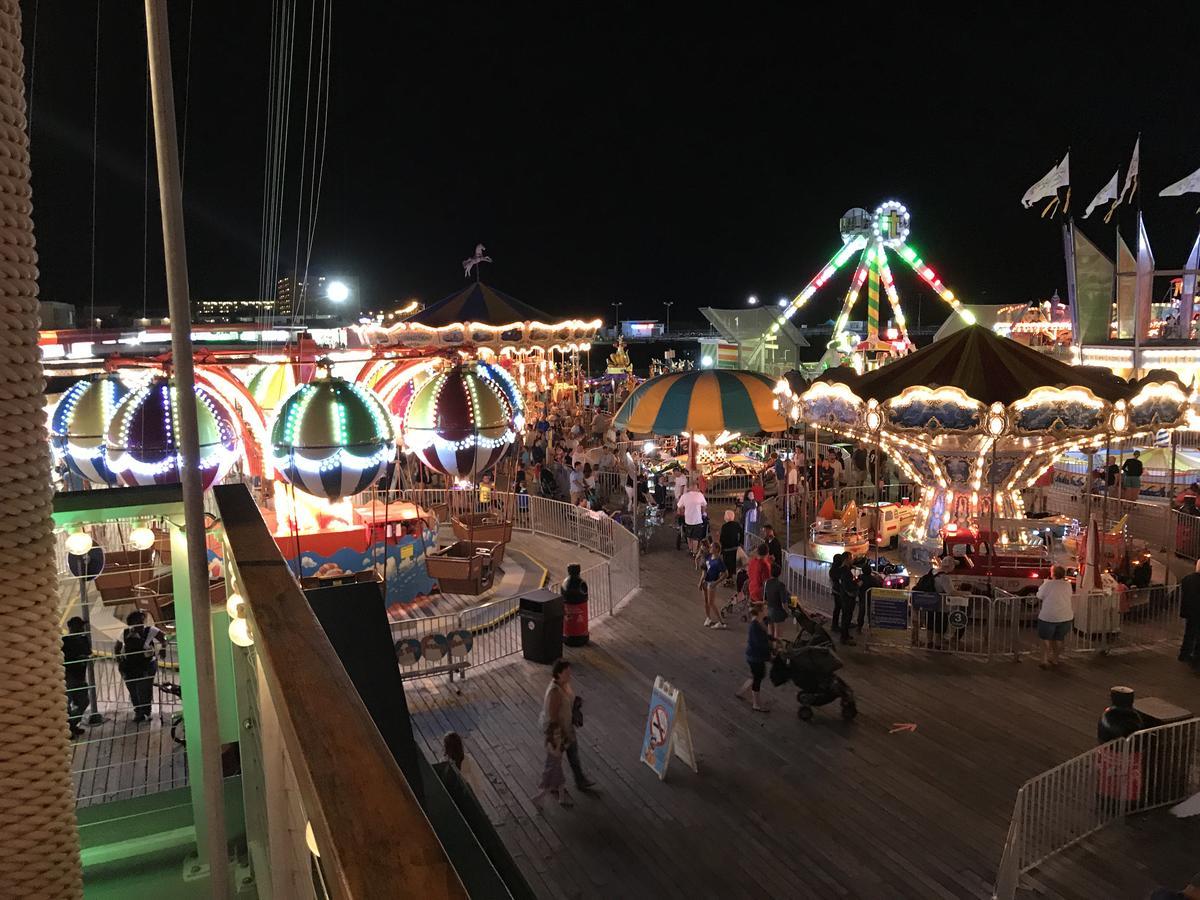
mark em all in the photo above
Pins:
pixel 681 485
pixel 693 507
pixel 1055 616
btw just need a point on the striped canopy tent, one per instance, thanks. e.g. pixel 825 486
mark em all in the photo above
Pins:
pixel 703 401
pixel 478 303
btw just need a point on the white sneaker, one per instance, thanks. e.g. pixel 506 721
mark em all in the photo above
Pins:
pixel 708 623
pixel 720 625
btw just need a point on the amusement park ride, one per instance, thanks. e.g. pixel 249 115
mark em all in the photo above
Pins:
pixel 870 235
pixel 311 428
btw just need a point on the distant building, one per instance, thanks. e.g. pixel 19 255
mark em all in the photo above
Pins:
pixel 232 310
pixel 55 315
pixel 323 297
pixel 641 328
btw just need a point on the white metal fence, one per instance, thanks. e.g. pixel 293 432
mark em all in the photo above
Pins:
pixel 1145 771
pixel 452 642
pixel 1004 626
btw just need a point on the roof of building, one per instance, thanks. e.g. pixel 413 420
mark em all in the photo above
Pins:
pixel 985 366
pixel 479 303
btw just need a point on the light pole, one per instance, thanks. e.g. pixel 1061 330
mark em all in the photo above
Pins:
pixel 752 300
pixel 617 307
pixel 668 304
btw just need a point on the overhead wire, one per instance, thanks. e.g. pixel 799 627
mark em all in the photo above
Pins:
pixel 299 295
pixel 95 147
pixel 318 175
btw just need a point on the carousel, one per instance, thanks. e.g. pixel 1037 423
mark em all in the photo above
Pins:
pixel 976 418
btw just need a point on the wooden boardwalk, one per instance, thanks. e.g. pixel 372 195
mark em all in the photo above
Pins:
pixel 120 758
pixel 781 808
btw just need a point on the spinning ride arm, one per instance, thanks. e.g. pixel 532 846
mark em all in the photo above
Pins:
pixel 818 281
pixel 856 283
pixel 909 255
pixel 889 288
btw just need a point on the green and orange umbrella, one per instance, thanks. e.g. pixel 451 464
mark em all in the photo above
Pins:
pixel 702 401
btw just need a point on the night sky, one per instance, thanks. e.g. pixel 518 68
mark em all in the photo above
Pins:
pixel 613 153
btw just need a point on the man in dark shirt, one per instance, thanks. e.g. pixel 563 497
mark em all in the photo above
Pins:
pixel 866 582
pixel 1131 477
pixel 77 650
pixel 732 536
pixel 774 548
pixel 1189 611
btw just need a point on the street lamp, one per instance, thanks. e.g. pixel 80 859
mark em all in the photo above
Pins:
pixel 783 301
pixel 338 291
pixel 752 300
pixel 668 304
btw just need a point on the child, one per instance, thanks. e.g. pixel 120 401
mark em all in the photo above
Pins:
pixel 711 575
pixel 553 781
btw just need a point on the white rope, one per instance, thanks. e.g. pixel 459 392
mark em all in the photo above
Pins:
pixel 39 843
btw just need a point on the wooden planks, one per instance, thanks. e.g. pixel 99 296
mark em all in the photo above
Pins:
pixel 119 758
pixel 780 808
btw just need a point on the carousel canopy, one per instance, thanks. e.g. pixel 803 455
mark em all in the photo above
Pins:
pixel 478 303
pixel 703 402
pixel 985 366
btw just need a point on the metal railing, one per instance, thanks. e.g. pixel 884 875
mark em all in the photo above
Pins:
pixel 1184 534
pixel 1144 519
pixel 807 580
pixel 1147 770
pixel 450 643
pixel 1003 626
pixel 962 625
pixel 125 708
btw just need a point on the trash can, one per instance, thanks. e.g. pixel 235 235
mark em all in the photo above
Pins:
pixel 541 621
pixel 1166 756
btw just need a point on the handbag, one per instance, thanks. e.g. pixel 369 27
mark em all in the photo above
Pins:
pixel 577 712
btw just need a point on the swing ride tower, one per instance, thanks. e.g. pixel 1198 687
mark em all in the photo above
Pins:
pixel 871 236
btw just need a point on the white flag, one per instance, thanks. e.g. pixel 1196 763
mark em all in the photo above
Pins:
pixel 1131 176
pixel 1108 192
pixel 1049 184
pixel 1189 185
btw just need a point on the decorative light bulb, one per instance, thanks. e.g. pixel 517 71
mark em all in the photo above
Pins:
pixel 236 606
pixel 142 538
pixel 79 543
pixel 239 633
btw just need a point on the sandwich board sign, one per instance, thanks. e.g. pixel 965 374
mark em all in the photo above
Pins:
pixel 667 733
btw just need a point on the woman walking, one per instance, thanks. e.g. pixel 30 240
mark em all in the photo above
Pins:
pixel 558 707
pixel 758 651
pixel 710 576
pixel 776 597
pixel 553 781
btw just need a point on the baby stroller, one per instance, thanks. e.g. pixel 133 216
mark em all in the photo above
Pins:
pixel 739 603
pixel 811 664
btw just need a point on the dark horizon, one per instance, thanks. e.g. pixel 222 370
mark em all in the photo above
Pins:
pixel 608 154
